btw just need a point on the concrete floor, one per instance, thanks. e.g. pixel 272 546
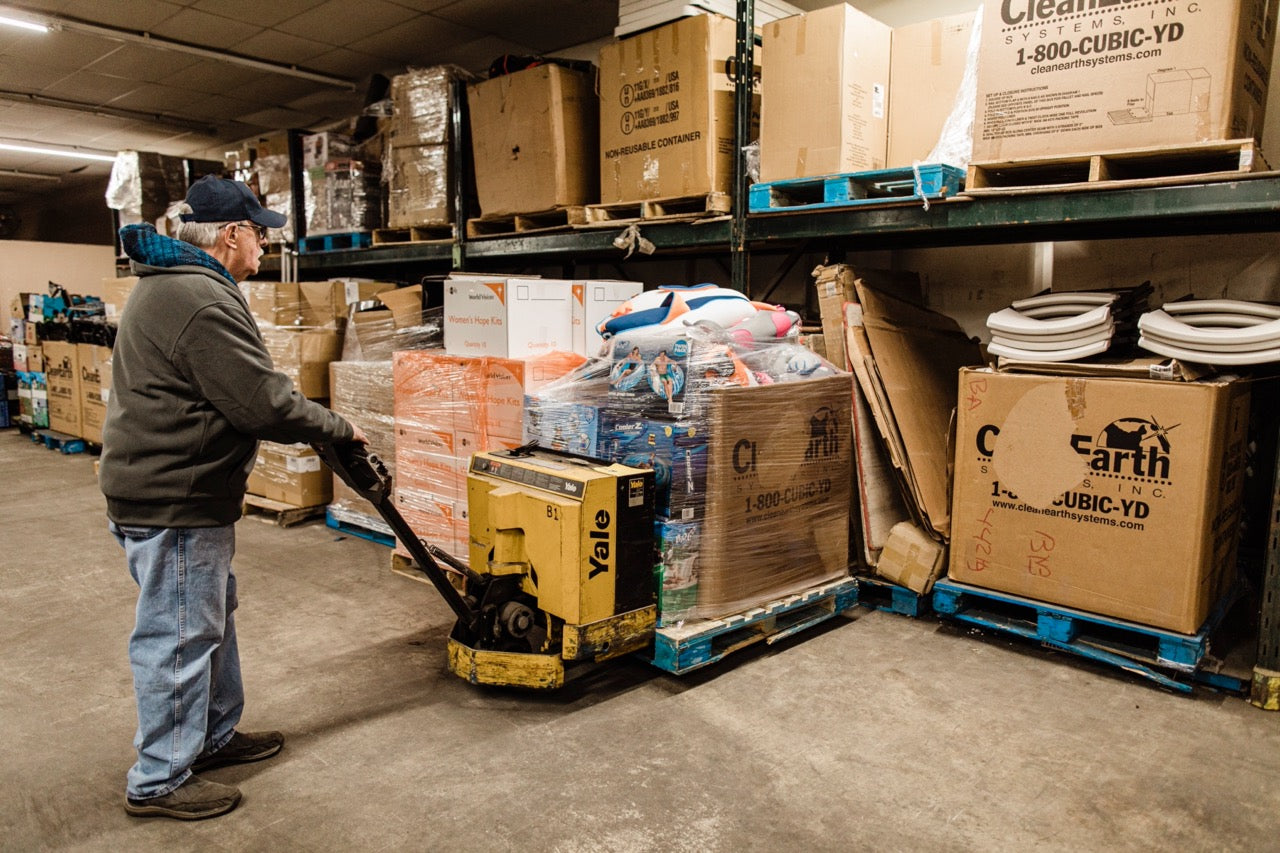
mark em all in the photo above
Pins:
pixel 874 732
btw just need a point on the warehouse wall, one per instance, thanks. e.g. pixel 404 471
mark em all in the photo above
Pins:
pixel 27 266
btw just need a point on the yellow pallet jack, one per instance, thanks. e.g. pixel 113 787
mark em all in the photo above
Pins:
pixel 561 560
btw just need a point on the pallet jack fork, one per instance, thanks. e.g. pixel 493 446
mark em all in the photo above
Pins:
pixel 505 634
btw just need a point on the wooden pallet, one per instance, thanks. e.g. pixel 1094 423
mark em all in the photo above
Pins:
pixel 851 189
pixel 334 242
pixel 279 513
pixel 1153 653
pixel 682 648
pixel 880 594
pixel 348 524
pixel 555 219
pixel 1169 165
pixel 659 209
pixel 60 441
pixel 416 234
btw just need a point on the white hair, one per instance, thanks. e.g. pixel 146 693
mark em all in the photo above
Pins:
pixel 203 235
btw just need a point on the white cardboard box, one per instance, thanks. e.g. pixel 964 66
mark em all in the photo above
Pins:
pixel 593 301
pixel 507 317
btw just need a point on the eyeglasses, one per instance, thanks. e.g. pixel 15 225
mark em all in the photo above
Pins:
pixel 260 230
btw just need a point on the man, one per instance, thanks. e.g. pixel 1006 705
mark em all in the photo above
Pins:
pixel 193 389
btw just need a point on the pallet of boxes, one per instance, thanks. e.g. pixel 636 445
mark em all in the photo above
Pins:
pixel 342 190
pixel 418 163
pixel 362 390
pixel 504 338
pixel 303 326
pixel 749 441
pixel 534 144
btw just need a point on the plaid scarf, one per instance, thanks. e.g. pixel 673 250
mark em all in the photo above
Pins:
pixel 142 244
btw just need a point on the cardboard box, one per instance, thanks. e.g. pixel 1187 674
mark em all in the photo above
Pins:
pixel 363 393
pixel 33 399
pixel 28 358
pixel 418 187
pixel 1061 79
pixel 1110 495
pixel 667 112
pixel 778 492
pixel 825 105
pixel 507 317
pixel 676 451
pixel 273 303
pixel 291 474
pixel 911 558
pixel 115 293
pixel 95 389
pixel 421 104
pixel 303 354
pixel 62 372
pixel 535 140
pixel 927 65
pixel 593 302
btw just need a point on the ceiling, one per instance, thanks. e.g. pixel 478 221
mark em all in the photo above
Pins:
pixel 103 92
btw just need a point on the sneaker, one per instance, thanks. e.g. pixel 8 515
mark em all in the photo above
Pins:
pixel 194 799
pixel 241 749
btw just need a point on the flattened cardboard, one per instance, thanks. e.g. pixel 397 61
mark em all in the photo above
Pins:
pixel 917 353
pixel 1113 496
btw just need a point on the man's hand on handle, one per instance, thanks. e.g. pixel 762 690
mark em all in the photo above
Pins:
pixel 359 435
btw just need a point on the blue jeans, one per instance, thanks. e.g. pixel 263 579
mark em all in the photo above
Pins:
pixel 186 669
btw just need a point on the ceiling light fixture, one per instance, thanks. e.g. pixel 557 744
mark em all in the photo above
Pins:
pixel 59 22
pixel 34 26
pixel 74 153
pixel 31 176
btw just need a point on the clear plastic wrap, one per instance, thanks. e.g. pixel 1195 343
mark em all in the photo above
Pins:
pixel 291 474
pixel 143 184
pixel 275 184
pixel 418 186
pixel 955 142
pixel 375 335
pixel 363 393
pixel 303 354
pixel 446 408
pixel 342 196
pixel 751 448
pixel 422 105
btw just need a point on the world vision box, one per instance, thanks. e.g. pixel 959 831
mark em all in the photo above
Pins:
pixel 1085 76
pixel 1110 495
pixel 667 111
pixel 779 484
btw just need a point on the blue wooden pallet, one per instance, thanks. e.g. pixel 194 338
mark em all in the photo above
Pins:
pixel 351 529
pixel 682 648
pixel 883 595
pixel 335 242
pixel 60 441
pixel 1139 649
pixel 854 188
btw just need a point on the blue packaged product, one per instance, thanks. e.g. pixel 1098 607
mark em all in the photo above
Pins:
pixel 649 372
pixel 572 427
pixel 675 450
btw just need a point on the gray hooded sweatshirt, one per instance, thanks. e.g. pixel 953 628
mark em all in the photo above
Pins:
pixel 193 389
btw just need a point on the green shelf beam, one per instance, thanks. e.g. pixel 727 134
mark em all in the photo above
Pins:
pixel 1230 206
pixel 1226 207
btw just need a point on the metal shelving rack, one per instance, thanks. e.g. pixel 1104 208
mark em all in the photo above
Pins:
pixel 1244 205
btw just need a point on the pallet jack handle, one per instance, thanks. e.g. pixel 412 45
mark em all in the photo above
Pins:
pixel 368 476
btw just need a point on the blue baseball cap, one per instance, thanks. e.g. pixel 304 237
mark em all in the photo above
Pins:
pixel 215 199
